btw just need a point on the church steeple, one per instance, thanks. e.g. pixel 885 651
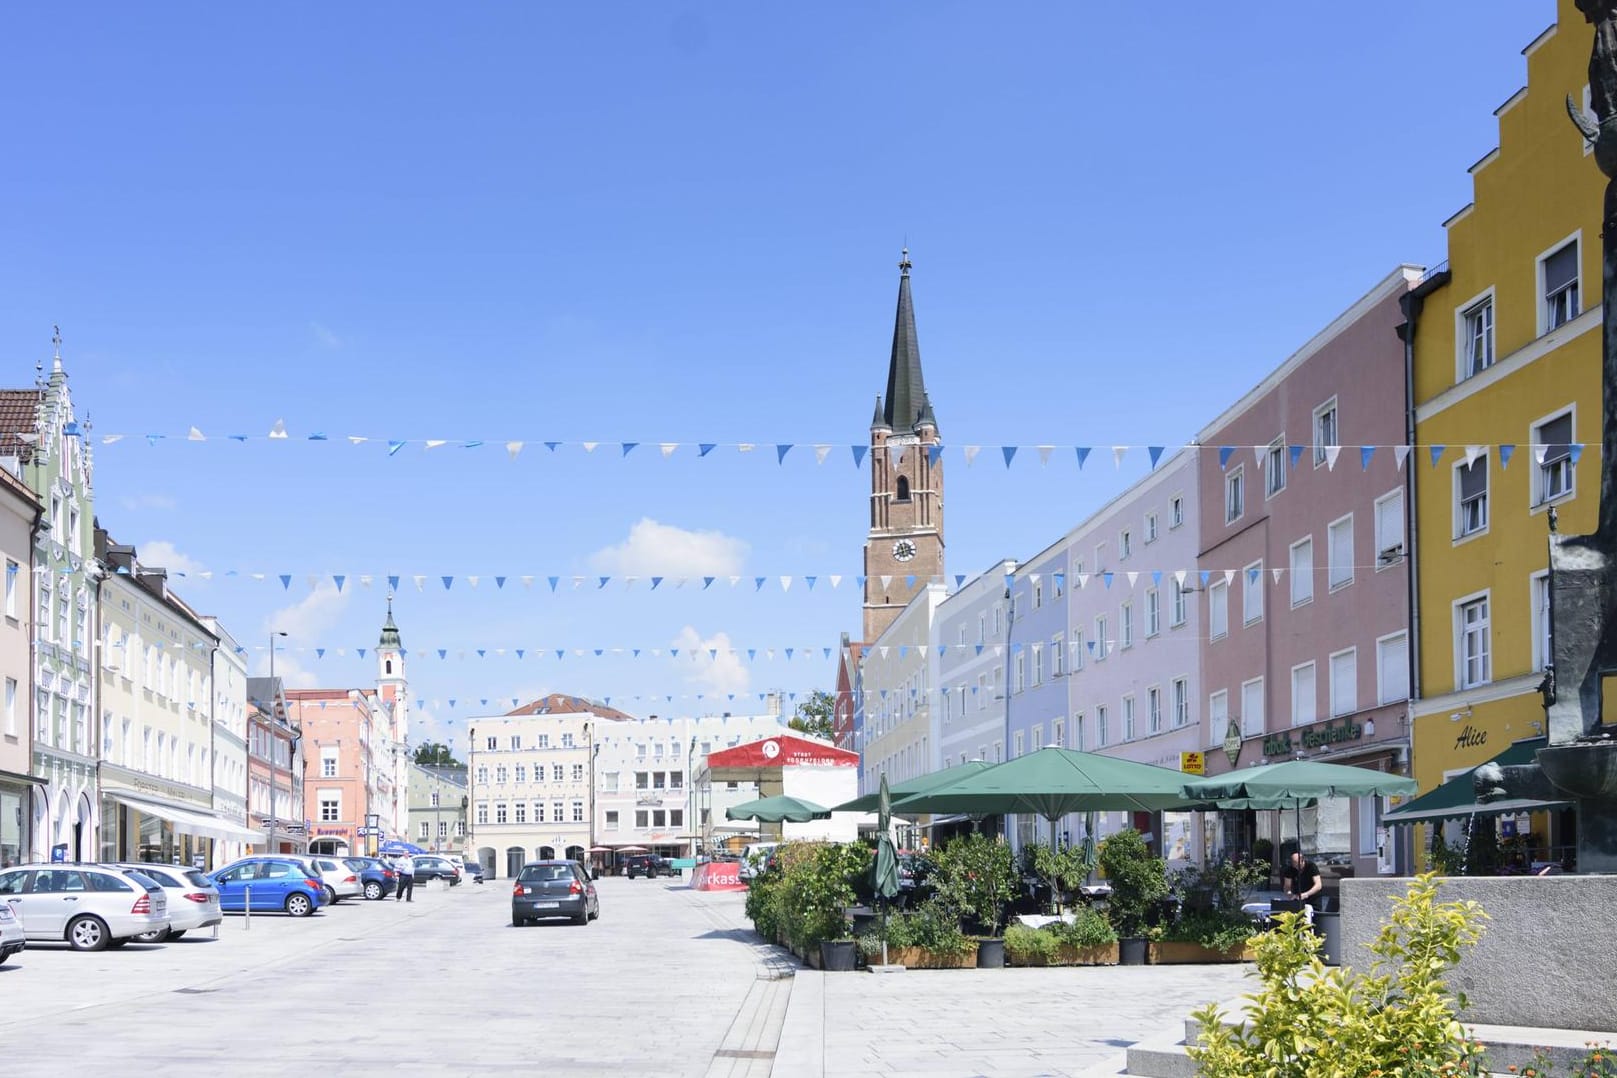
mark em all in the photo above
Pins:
pixel 390 631
pixel 904 549
pixel 907 407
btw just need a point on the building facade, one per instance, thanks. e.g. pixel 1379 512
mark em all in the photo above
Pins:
pixel 43 442
pixel 847 692
pixel 1506 347
pixel 230 742
pixel 904 547
pixel 1302 530
pixel 530 788
pixel 900 677
pixel 19 515
pixel 274 769
pixel 438 802
pixel 970 642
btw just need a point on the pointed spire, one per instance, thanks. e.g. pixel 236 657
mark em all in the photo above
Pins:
pixel 907 404
pixel 390 631
pixel 880 419
pixel 56 346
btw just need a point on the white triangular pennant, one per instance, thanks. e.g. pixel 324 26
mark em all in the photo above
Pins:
pixel 667 448
pixel 1399 454
pixel 1117 455
pixel 1044 453
pixel 1331 453
pixel 820 453
pixel 971 453
pixel 279 430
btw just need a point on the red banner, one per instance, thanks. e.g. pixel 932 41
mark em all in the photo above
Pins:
pixel 718 876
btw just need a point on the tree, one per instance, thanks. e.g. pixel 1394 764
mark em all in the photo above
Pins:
pixel 434 754
pixel 815 715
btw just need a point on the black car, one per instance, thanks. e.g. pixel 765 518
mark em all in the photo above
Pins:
pixel 647 865
pixel 428 867
pixel 553 889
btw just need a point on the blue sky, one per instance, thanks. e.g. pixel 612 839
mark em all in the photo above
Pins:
pixel 679 223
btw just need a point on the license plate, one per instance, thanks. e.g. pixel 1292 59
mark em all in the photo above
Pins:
pixel 546 905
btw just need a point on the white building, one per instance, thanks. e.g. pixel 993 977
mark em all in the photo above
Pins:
pixel 970 635
pixel 900 672
pixel 229 739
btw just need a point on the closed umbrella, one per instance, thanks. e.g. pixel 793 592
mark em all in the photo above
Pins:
pixel 778 809
pixel 884 869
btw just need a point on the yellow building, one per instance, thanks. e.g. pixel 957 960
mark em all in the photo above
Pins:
pixel 1506 379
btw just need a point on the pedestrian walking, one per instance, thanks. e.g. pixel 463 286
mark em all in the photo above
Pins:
pixel 405 867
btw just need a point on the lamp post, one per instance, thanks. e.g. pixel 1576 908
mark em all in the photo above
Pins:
pixel 690 794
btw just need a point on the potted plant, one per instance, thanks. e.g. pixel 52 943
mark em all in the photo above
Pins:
pixel 977 877
pixel 1139 883
pixel 1063 871
pixel 1087 940
pixel 926 937
pixel 816 890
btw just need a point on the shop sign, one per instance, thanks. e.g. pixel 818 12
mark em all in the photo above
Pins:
pixel 1313 737
pixel 1192 763
pixel 1232 741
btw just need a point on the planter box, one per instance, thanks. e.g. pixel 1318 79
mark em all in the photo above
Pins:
pixel 918 958
pixel 1166 953
pixel 1071 956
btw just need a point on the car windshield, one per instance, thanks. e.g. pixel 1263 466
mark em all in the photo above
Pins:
pixel 196 878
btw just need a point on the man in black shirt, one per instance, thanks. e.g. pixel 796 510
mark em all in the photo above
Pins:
pixel 1304 881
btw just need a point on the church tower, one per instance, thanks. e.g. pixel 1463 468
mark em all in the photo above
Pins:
pixel 904 550
pixel 391 684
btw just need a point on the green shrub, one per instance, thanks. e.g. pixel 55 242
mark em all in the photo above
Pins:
pixel 1030 946
pixel 1089 928
pixel 1139 882
pixel 1063 871
pixel 1310 1021
pixel 763 903
pixel 977 877
pixel 1217 930
pixel 817 887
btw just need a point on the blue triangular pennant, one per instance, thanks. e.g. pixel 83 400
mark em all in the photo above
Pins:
pixel 394 447
pixel 1224 454
pixel 1155 453
pixel 1437 453
pixel 704 448
pixel 781 450
pixel 499 582
pixel 448 581
pixel 1296 453
pixel 1366 452
pixel 1083 455
pixel 338 579
pixel 286 581
pixel 1505 453
pixel 707 582
pixel 656 580
pixel 553 580
pixel 628 446
pixel 934 453
pixel 1010 453
pixel 392 583
pixel 1575 451
pixel 859 454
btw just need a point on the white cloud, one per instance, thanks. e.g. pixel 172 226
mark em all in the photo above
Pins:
pixel 656 549
pixel 325 336
pixel 162 554
pixel 147 500
pixel 307 624
pixel 720 673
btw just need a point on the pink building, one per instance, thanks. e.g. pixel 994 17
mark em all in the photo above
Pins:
pixel 1306 587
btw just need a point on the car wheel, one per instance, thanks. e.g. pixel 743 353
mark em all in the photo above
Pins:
pixel 173 935
pixel 582 918
pixel 88 934
pixel 328 897
pixel 299 905
pixel 373 890
pixel 155 937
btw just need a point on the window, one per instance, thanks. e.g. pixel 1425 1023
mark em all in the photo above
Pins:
pixel 612 819
pixel 1471 618
pixel 1176 616
pixel 1340 542
pixel 328 763
pixel 1274 468
pixel 516 744
pixel 1218 715
pixel 1471 497
pixel 567 741
pixel 556 772
pixel 500 812
pixel 1125 624
pixel 1327 432
pixel 1389 529
pixel 578 812
pixel 1058 656
pixel 425 830
pixel 482 774
pixel 1016 745
pixel 1540 584
pixel 1181 702
pixel 520 773
pixel 1558 274
pixel 578 772
pixel 482 812
pixel 1128 718
pixel 521 812
pixel 443 830
pixel 1252 717
pixel 642 818
pixel 1100 726
pixel 1078 741
pixel 1252 593
pixel 1058 730
pixel 1176 511
pixel 544 741
pixel 1344 683
pixel 1018 681
pixel 433 800
pixel 1302 571
pixel 1552 456
pixel 1153 612
pixel 1234 494
pixel 1392 668
pixel 982 691
pixel 330 806
pixel 1125 544
pixel 1100 638
pixel 1150 527
pixel 1153 709
pixel 538 812
pixel 500 774
pixel 489 744
pixel 11 714
pixel 676 817
pixel 12 569
pixel 1304 703
pixel 1218 610
pixel 1038 665
pixel 556 812
pixel 1476 338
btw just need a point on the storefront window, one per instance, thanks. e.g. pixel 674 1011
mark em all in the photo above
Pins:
pixel 10 828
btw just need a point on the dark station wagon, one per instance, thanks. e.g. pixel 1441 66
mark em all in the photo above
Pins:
pixel 553 889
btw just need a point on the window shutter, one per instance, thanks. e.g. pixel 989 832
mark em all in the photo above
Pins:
pixel 1556 437
pixel 1474 479
pixel 1560 269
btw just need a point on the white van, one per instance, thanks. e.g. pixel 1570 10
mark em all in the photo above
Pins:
pixel 753 857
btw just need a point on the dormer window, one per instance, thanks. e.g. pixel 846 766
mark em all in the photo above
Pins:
pixel 901 493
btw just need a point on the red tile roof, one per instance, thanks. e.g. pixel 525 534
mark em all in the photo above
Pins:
pixel 19 414
pixel 561 704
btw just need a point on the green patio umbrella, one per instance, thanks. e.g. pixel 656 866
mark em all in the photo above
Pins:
pixel 778 809
pixel 919 785
pixel 884 868
pixel 1053 782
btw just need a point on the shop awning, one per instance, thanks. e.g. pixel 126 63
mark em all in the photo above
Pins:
pixel 192 821
pixel 1457 798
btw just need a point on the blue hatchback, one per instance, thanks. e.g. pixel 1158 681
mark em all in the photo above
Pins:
pixel 270 884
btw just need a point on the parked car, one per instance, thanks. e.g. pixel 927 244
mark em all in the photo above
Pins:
pixel 472 870
pixel 193 900
pixel 553 889
pixel 91 906
pixel 914 878
pixel 753 858
pixel 376 877
pixel 12 938
pixel 269 883
pixel 429 866
pixel 647 865
pixel 340 880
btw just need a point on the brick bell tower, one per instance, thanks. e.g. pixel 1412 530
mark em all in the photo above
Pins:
pixel 904 550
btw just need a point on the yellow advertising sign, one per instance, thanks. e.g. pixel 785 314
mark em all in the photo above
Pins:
pixel 1191 763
